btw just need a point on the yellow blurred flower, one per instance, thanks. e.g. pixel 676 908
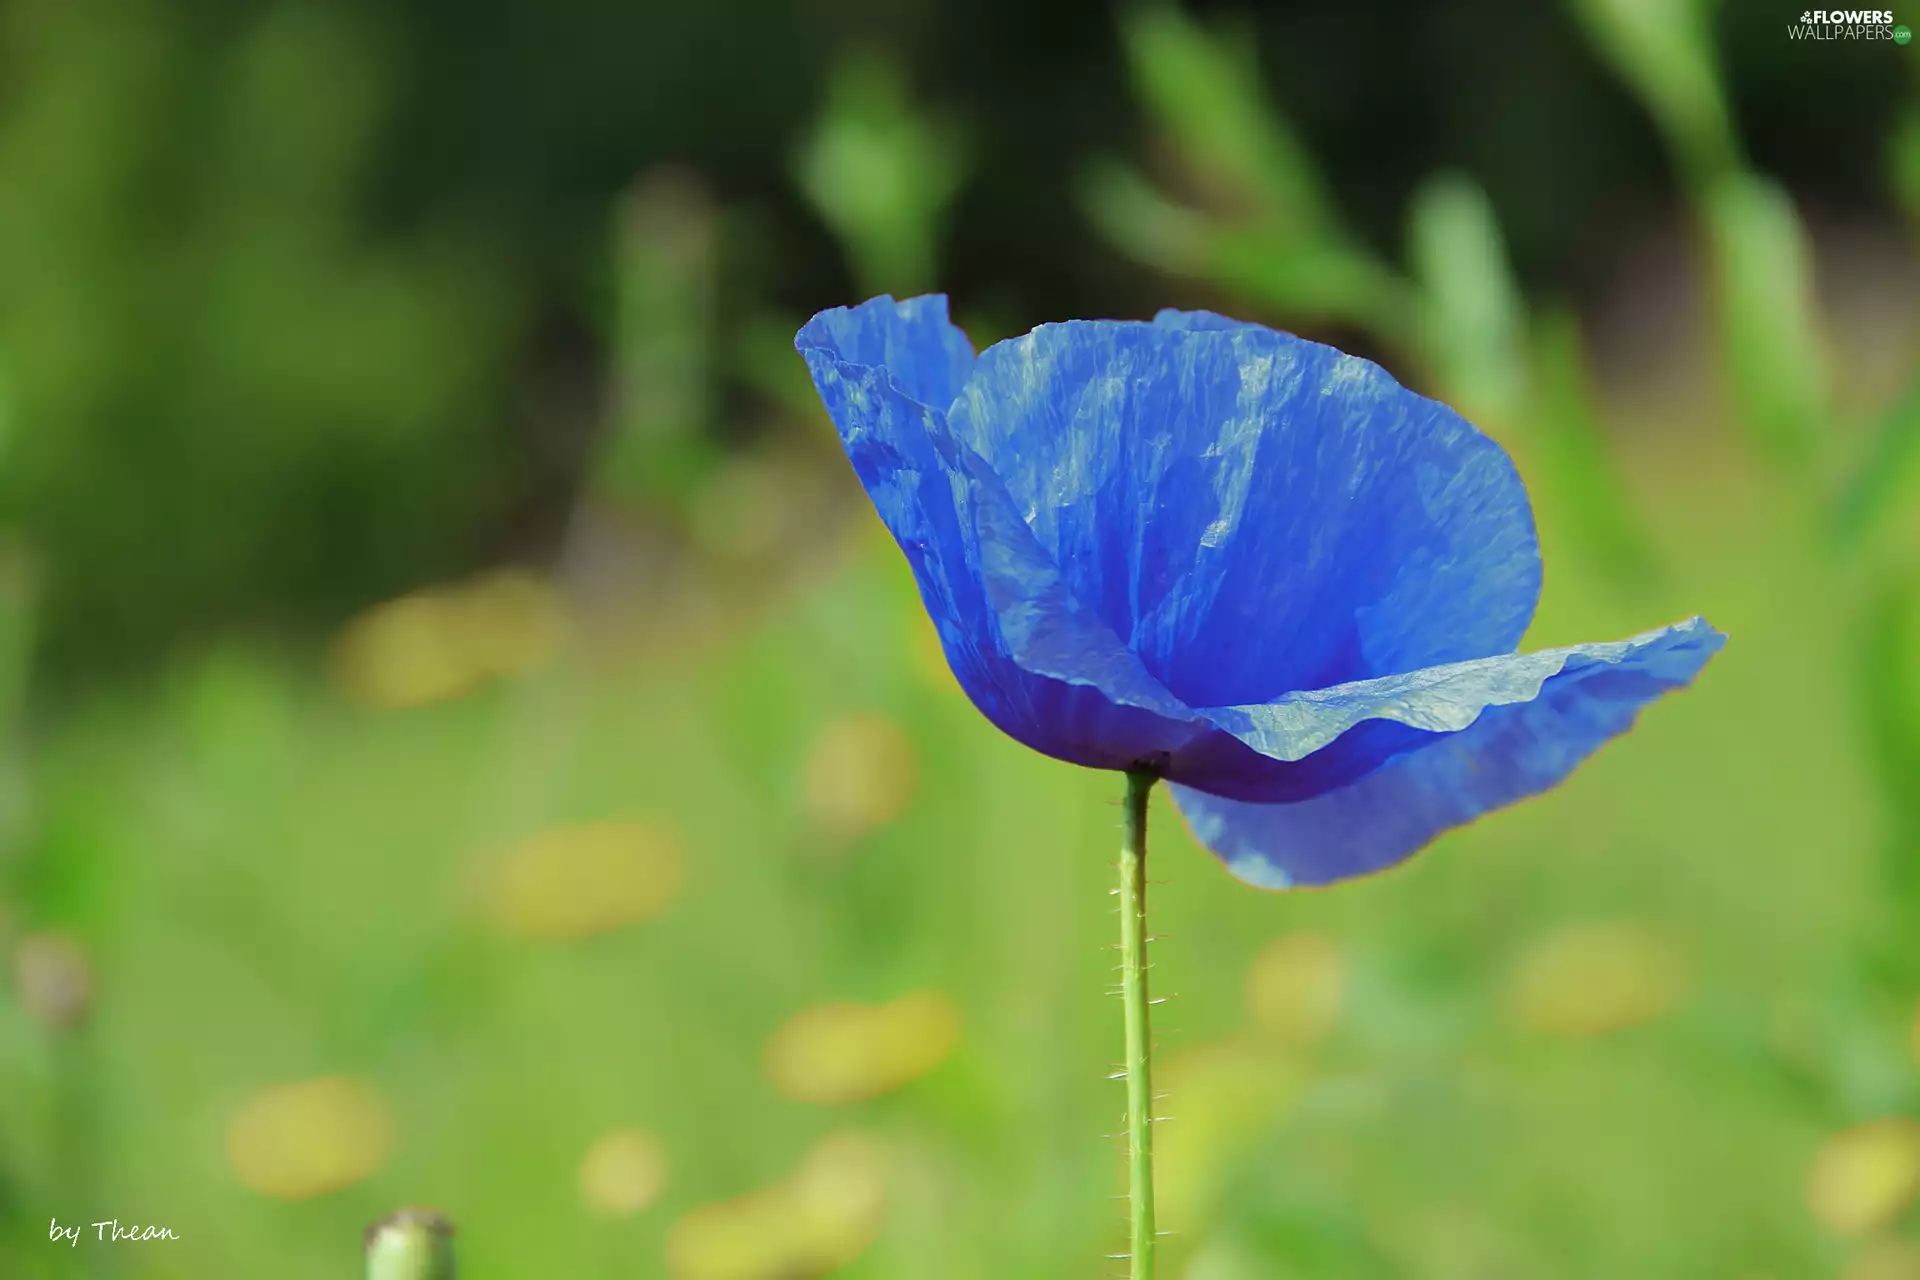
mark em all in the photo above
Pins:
pixel 1295 987
pixel 404 653
pixel 575 881
pixel 515 621
pixel 1865 1177
pixel 841 1188
pixel 1885 1260
pixel 305 1139
pixel 860 775
pixel 1221 1100
pixel 1588 979
pixel 846 1052
pixel 813 1223
pixel 446 641
pixel 622 1173
pixel 54 979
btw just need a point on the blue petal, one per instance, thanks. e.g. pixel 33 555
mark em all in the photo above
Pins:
pixel 1168 318
pixel 997 599
pixel 1469 761
pixel 927 357
pixel 1250 513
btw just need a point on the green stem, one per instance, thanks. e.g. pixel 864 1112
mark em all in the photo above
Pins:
pixel 411 1244
pixel 1133 994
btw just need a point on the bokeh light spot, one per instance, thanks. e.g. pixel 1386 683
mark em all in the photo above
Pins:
pixel 813 1223
pixel 404 653
pixel 443 642
pixel 1588 979
pixel 573 882
pixel 846 1052
pixel 1295 987
pixel 1865 1177
pixel 295 1141
pixel 514 622
pixel 860 775
pixel 622 1173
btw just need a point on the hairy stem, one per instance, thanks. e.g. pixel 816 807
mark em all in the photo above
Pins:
pixel 1133 994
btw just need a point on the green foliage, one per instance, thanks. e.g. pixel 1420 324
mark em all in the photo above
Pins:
pixel 1664 50
pixel 882 175
pixel 1203 91
pixel 1881 501
pixel 1762 271
pixel 1266 229
pixel 240 378
pixel 1769 329
pixel 660 443
pixel 1903 147
pixel 193 292
pixel 313 875
pixel 1776 366
pixel 18 635
pixel 1565 439
pixel 1144 224
pixel 1474 318
pixel 1889 692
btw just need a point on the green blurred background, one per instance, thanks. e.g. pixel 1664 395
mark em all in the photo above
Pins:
pixel 466 739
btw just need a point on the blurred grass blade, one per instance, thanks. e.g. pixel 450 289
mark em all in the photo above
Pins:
pixel 1903 162
pixel 1261 227
pixel 1890 665
pixel 18 633
pixel 410 1244
pixel 881 174
pixel 664 272
pixel 1142 223
pixel 1305 281
pixel 1203 92
pixel 1472 314
pixel 1567 443
pixel 1663 50
pixel 1887 485
pixel 1888 675
pixel 306 96
pixel 1770 332
pixel 1315 283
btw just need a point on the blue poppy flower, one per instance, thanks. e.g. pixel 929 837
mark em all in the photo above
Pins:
pixel 1256 566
